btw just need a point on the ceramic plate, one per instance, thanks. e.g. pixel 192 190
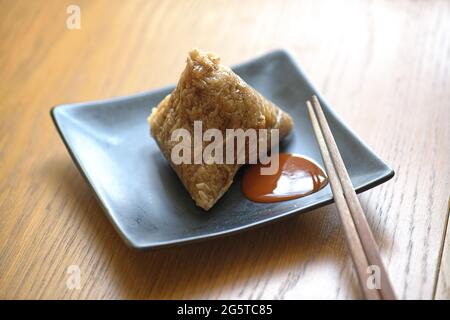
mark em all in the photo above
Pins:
pixel 109 142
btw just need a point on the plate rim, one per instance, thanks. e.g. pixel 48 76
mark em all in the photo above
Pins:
pixel 60 108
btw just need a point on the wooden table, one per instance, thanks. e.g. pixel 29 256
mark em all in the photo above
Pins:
pixel 385 67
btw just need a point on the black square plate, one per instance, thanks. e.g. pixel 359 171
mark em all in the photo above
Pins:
pixel 109 142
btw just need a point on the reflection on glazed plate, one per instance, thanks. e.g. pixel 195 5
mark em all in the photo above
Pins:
pixel 110 144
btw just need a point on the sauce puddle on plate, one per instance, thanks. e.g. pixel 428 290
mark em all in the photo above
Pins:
pixel 297 176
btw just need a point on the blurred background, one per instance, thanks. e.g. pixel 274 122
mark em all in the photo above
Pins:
pixel 383 65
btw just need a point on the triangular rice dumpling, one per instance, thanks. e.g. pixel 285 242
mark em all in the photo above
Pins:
pixel 212 93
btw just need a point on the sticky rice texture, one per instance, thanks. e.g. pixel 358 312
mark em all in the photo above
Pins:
pixel 210 92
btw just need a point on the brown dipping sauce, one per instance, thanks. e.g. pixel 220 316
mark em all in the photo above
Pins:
pixel 297 176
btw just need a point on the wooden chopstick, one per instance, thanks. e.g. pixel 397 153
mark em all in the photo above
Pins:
pixel 362 245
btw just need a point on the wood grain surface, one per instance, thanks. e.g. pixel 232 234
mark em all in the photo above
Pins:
pixel 383 65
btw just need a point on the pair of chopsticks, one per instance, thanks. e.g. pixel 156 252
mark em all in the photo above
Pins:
pixel 362 245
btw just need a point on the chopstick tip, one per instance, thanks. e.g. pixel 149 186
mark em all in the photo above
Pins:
pixel 315 99
pixel 309 106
